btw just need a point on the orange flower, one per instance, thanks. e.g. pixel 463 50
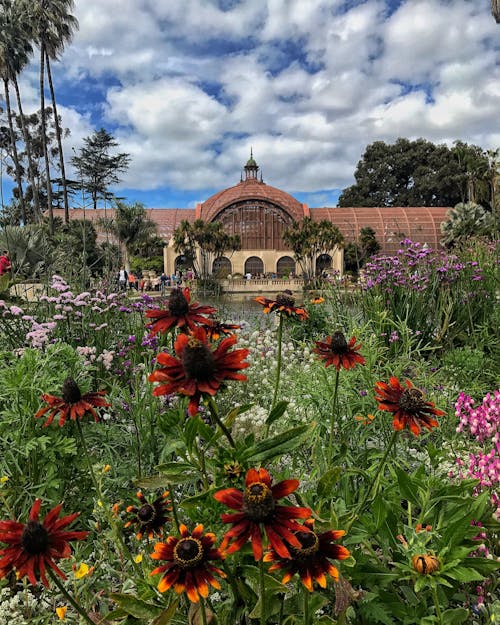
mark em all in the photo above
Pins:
pixel 256 509
pixel 72 405
pixel 188 565
pixel 34 546
pixel 407 404
pixel 149 518
pixel 180 313
pixel 336 351
pixel 284 304
pixel 365 420
pixel 425 564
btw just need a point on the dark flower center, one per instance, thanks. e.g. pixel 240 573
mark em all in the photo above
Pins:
pixel 177 304
pixel 309 542
pixel 338 344
pixel 286 299
pixel 188 552
pixel 198 361
pixel 258 501
pixel 146 514
pixel 412 400
pixel 35 538
pixel 71 393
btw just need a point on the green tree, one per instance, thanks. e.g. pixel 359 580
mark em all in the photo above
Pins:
pixel 202 242
pixel 356 254
pixel 465 221
pixel 29 248
pixel 411 173
pixel 310 239
pixel 131 226
pixel 97 167
pixel 53 27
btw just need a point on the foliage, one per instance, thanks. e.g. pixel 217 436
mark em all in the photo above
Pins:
pixel 356 255
pixel 310 239
pixel 465 221
pixel 417 173
pixel 30 251
pixel 97 166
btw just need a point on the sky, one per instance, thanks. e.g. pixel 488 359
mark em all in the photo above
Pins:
pixel 188 87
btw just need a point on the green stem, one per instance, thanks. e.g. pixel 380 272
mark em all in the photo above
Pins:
pixel 215 415
pixel 262 590
pixel 332 417
pixel 203 611
pixel 69 598
pixel 437 605
pixel 306 606
pixel 174 507
pixel 278 362
pixel 375 478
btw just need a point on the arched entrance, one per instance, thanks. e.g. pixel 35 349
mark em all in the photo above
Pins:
pixel 254 266
pixel 285 266
pixel 323 263
pixel 221 267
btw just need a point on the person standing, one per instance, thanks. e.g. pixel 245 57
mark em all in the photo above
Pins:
pixel 123 279
pixel 5 265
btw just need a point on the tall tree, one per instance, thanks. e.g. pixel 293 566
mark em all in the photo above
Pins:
pixel 411 173
pixel 15 52
pixel 131 226
pixel 97 167
pixel 309 240
pixel 53 27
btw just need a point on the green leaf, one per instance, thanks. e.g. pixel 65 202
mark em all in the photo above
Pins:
pixel 165 617
pixel 153 482
pixel 277 412
pixel 455 616
pixel 178 472
pixel 135 606
pixel 231 417
pixel 327 481
pixel 464 575
pixel 277 445
pixel 408 487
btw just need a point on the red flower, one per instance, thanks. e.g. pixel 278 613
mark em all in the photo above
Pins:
pixel 198 370
pixel 336 351
pixel 179 313
pixel 284 304
pixel 150 517
pixel 33 546
pixel 188 565
pixel 407 404
pixel 215 331
pixel 72 405
pixel 312 559
pixel 257 508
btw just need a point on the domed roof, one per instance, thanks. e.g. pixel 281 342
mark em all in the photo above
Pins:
pixel 250 189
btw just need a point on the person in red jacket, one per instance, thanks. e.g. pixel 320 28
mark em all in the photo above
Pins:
pixel 5 266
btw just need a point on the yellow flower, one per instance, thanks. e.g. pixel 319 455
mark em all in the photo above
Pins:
pixel 82 571
pixel 3 479
pixel 138 558
pixel 61 612
pixel 106 468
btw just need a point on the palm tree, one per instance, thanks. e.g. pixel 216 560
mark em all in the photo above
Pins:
pixel 15 51
pixel 131 226
pixel 464 221
pixel 53 27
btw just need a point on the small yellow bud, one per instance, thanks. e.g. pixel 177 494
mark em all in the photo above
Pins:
pixel 3 479
pixel 61 612
pixel 138 558
pixel 106 468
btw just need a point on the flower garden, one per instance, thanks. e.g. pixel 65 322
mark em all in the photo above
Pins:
pixel 329 460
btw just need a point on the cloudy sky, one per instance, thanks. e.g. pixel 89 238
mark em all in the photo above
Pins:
pixel 188 86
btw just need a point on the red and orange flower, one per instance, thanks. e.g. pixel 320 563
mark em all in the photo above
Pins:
pixel 180 313
pixel 256 509
pixel 198 371
pixel 188 565
pixel 336 351
pixel 218 329
pixel 312 559
pixel 284 304
pixel 72 405
pixel 34 546
pixel 407 405
pixel 149 518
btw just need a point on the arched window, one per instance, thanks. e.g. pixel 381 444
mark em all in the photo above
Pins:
pixel 323 262
pixel 285 266
pixel 254 265
pixel 221 267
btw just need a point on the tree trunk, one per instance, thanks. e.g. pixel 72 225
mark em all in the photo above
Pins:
pixel 31 171
pixel 59 142
pixel 15 156
pixel 495 10
pixel 44 139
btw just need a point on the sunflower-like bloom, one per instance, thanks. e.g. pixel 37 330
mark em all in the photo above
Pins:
pixel 336 351
pixel 198 370
pixel 72 405
pixel 284 304
pixel 407 405
pixel 312 559
pixel 34 546
pixel 180 313
pixel 149 518
pixel 257 509
pixel 188 565
pixel 218 329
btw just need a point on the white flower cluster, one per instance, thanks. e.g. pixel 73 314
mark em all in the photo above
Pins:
pixel 24 608
pixel 251 422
